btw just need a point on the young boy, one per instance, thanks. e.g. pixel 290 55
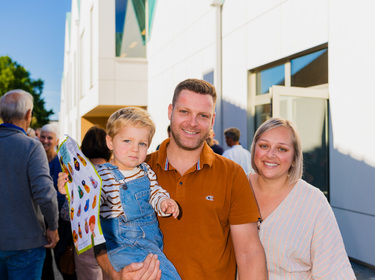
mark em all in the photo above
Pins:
pixel 131 195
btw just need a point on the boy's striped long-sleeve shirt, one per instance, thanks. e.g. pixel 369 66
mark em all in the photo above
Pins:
pixel 110 203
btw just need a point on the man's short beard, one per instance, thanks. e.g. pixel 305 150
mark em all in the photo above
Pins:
pixel 180 145
pixel 178 142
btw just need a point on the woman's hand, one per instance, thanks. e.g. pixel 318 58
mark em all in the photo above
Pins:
pixel 61 181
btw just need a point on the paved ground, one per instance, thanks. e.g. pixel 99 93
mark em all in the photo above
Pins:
pixel 363 272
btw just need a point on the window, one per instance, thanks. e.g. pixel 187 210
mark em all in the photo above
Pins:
pixel 133 22
pixel 270 77
pixel 296 88
pixel 310 70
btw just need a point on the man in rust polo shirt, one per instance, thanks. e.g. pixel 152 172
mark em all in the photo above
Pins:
pixel 217 227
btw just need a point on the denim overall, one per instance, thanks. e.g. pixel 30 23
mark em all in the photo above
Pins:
pixel 132 236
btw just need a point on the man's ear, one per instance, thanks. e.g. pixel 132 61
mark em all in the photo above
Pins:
pixel 170 110
pixel 28 118
pixel 213 121
pixel 108 140
pixel 29 114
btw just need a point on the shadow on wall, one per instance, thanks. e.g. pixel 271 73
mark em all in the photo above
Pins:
pixel 352 193
pixel 352 183
pixel 234 116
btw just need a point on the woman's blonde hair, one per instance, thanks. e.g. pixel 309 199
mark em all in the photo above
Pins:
pixel 132 116
pixel 296 169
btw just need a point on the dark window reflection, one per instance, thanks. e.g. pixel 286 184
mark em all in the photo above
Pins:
pixel 131 26
pixel 262 113
pixel 310 70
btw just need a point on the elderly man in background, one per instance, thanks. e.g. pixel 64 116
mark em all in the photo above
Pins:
pixel 27 193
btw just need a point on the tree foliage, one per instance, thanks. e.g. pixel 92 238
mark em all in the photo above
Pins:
pixel 15 76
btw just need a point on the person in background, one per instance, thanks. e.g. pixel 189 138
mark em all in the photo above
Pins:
pixel 49 138
pixel 31 133
pixel 236 152
pixel 37 132
pixel 27 193
pixel 169 135
pixel 213 143
pixel 217 231
pixel 298 230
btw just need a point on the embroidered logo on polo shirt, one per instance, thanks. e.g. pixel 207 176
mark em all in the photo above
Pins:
pixel 210 197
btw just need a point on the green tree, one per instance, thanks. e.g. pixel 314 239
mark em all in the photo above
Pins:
pixel 15 76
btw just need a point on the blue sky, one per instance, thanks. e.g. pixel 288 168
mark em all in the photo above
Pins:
pixel 32 33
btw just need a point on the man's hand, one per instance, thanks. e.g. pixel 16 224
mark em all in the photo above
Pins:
pixel 147 270
pixel 169 206
pixel 52 238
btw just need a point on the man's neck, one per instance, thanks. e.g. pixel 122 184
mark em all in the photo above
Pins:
pixel 21 123
pixel 182 159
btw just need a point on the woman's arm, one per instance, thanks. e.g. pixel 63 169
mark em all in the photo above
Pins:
pixel 328 256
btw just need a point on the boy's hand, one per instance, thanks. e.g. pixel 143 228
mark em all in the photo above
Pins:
pixel 61 181
pixel 169 206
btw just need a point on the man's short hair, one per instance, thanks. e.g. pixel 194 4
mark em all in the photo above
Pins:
pixel 233 133
pixel 130 116
pixel 195 85
pixel 15 104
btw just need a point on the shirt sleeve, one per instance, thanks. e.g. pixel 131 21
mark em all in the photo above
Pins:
pixel 328 256
pixel 158 194
pixel 244 208
pixel 41 186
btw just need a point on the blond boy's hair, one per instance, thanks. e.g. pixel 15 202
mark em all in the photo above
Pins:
pixel 130 116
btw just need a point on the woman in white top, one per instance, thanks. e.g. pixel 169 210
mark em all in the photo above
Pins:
pixel 299 231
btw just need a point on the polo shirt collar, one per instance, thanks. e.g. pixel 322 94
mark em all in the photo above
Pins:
pixel 206 157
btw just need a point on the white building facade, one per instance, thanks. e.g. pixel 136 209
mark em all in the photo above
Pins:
pixel 309 61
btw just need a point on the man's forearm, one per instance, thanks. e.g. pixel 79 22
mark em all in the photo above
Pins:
pixel 253 268
pixel 250 257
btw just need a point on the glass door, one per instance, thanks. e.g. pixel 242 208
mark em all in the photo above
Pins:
pixel 308 109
